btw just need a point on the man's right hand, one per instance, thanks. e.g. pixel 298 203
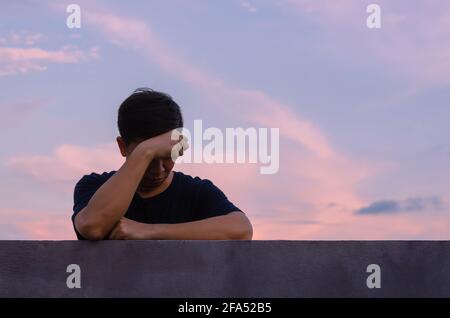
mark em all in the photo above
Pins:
pixel 170 144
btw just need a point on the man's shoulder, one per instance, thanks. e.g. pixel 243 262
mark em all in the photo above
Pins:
pixel 192 181
pixel 187 178
pixel 211 200
pixel 95 178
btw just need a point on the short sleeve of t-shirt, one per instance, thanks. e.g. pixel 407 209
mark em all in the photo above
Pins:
pixel 213 202
pixel 85 190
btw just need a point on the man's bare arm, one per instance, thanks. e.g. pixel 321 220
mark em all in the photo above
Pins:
pixel 112 199
pixel 233 226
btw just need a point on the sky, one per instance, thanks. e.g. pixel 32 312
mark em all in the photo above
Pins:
pixel 363 113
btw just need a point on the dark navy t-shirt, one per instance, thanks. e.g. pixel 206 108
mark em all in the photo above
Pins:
pixel 186 199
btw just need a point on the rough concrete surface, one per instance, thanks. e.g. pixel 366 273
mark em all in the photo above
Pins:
pixel 225 268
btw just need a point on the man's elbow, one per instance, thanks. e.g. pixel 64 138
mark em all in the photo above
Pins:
pixel 246 235
pixel 89 230
pixel 243 229
pixel 92 234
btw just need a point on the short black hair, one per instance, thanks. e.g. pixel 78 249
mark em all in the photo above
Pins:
pixel 147 113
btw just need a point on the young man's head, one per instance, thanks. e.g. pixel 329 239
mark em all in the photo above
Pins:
pixel 143 115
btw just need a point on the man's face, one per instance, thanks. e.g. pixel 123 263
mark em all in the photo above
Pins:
pixel 157 171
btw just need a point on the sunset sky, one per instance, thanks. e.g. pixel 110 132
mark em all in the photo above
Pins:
pixel 364 114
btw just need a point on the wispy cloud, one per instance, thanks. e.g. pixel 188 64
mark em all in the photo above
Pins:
pixel 14 60
pixel 415 204
pixel 67 164
pixel 11 113
pixel 20 54
pixel 21 38
pixel 248 6
pixel 20 224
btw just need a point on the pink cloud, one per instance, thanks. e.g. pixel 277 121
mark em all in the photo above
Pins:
pixel 15 60
pixel 22 38
pixel 26 224
pixel 67 164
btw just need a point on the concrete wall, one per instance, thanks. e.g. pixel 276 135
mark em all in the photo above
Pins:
pixel 225 268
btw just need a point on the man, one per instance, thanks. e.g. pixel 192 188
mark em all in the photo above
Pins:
pixel 145 199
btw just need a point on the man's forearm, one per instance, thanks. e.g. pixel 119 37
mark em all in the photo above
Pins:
pixel 233 226
pixel 112 199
